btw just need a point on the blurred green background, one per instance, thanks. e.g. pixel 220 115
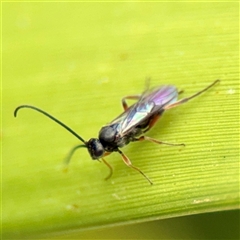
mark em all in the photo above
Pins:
pixel 76 61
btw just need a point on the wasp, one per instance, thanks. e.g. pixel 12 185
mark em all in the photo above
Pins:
pixel 129 126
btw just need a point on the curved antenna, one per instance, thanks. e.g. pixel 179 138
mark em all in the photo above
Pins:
pixel 51 117
pixel 69 156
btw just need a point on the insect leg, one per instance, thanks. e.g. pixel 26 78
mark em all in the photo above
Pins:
pixel 110 168
pixel 132 97
pixel 184 100
pixel 142 138
pixel 152 122
pixel 127 161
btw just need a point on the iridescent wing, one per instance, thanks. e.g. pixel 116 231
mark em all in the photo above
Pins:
pixel 151 102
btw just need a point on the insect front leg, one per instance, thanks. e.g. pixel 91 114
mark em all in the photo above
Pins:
pixel 127 161
pixel 110 168
pixel 131 97
pixel 142 138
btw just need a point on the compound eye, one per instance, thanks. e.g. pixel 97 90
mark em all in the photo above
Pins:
pixel 95 148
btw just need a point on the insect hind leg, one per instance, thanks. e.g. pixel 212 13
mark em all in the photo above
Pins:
pixel 152 122
pixel 142 138
pixel 184 100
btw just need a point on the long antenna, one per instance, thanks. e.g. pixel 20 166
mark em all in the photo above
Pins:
pixel 51 117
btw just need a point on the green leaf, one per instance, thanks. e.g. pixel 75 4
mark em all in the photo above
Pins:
pixel 76 61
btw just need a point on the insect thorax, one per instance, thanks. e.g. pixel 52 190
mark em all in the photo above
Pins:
pixel 111 139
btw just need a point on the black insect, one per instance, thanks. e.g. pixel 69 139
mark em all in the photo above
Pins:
pixel 130 125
